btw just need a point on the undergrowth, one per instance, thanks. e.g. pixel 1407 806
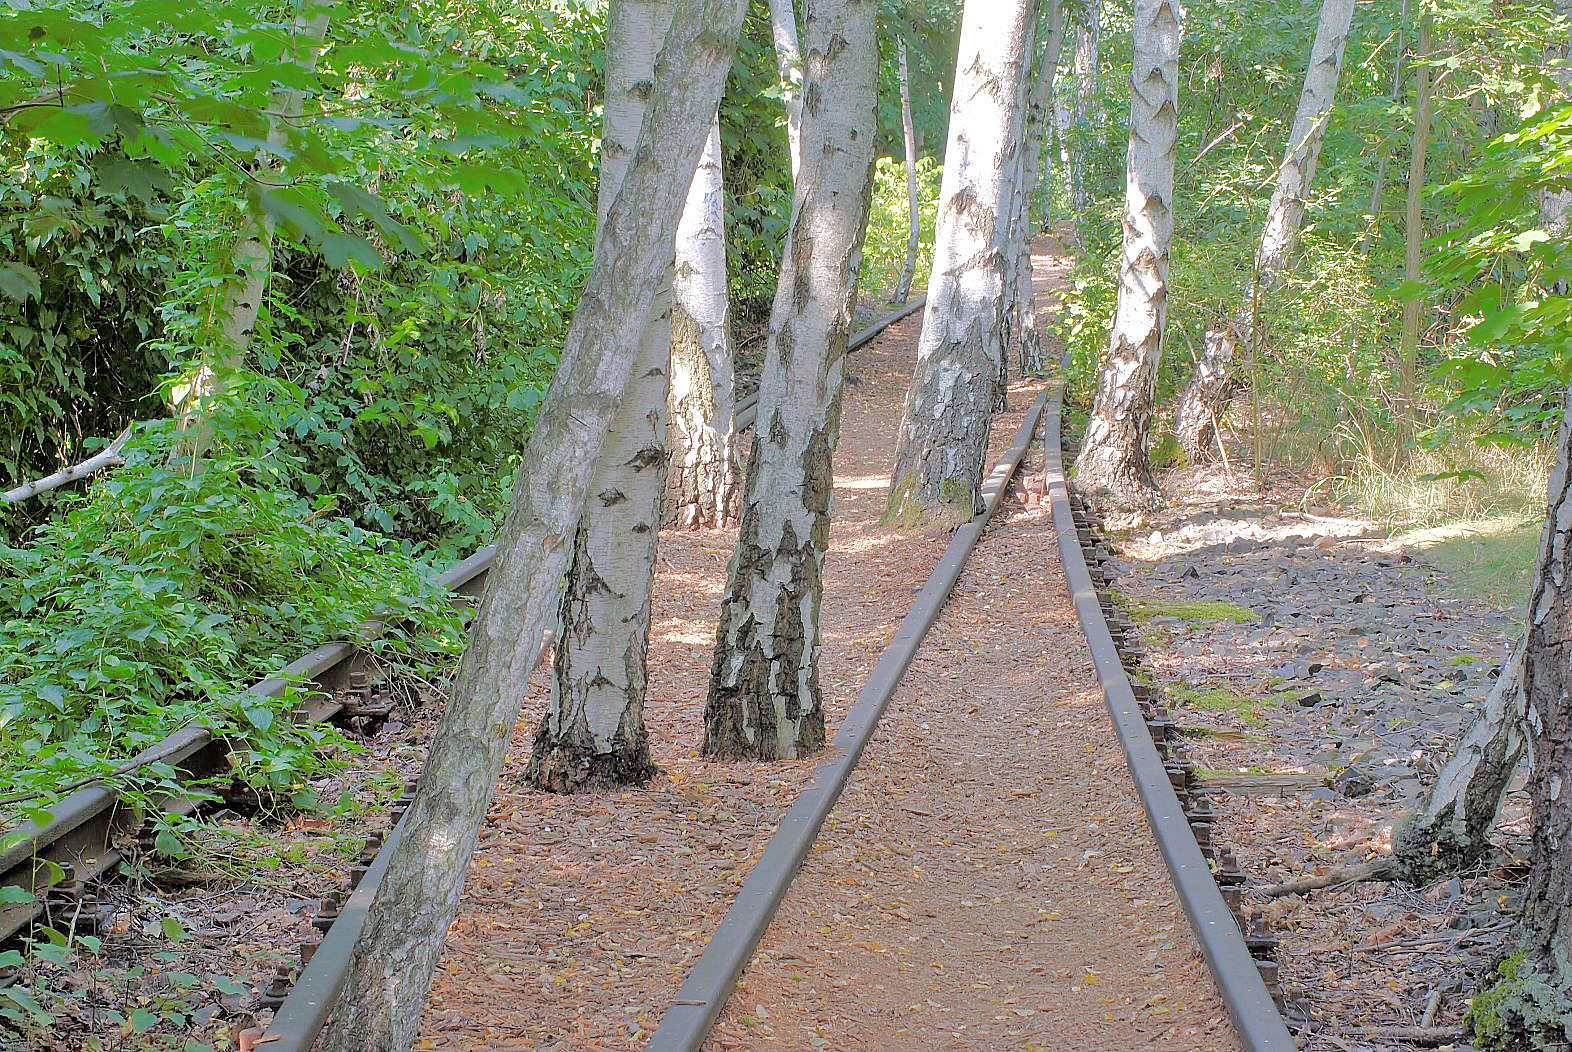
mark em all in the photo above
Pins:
pixel 158 596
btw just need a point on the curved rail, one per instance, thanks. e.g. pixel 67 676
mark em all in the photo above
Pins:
pixel 748 407
pixel 713 978
pixel 1237 974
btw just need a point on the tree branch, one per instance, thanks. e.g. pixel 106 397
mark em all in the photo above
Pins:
pixel 108 457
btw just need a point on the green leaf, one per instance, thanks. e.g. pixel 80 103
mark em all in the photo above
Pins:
pixel 19 282
pixel 173 930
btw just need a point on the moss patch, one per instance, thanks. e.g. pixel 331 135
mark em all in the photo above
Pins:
pixel 1166 452
pixel 1144 610
pixel 908 511
pixel 1523 1010
pixel 1220 699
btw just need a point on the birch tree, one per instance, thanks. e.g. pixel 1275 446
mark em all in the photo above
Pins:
pixel 240 292
pixel 1413 238
pixel 764 698
pixel 1201 405
pixel 1077 120
pixel 903 287
pixel 379 1004
pixel 703 457
pixel 593 730
pixel 788 60
pixel 1112 465
pixel 1022 318
pixel 943 436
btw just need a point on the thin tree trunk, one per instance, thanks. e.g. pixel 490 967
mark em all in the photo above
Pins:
pixel 593 731
pixel 1038 116
pixel 1414 238
pixel 251 260
pixel 1556 205
pixel 1206 396
pixel 949 405
pixel 1112 465
pixel 1374 229
pixel 1546 928
pixel 703 459
pixel 764 698
pixel 788 59
pixel 1086 111
pixel 1064 126
pixel 379 1004
pixel 903 288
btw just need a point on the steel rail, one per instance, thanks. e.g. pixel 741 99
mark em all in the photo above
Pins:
pixel 81 835
pixel 1255 1015
pixel 714 976
pixel 305 1010
pixel 748 407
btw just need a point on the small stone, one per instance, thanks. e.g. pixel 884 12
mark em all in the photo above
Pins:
pixel 1353 782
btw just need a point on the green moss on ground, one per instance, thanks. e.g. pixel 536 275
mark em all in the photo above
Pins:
pixel 1144 610
pixel 1523 1010
pixel 1221 699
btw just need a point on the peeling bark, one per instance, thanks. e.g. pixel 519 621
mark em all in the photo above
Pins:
pixel 788 60
pixel 1547 690
pixel 703 459
pixel 379 1004
pixel 960 356
pixel 1112 465
pixel 1206 396
pixel 593 730
pixel 764 698
pixel 903 288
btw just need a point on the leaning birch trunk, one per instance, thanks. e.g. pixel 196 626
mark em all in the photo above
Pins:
pixel 251 260
pixel 1112 465
pixel 593 731
pixel 1038 116
pixel 764 698
pixel 943 434
pixel 903 288
pixel 703 458
pixel 379 1004
pixel 1449 829
pixel 1203 401
pixel 788 60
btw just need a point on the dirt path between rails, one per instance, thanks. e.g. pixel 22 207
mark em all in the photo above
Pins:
pixel 988 880
pixel 582 914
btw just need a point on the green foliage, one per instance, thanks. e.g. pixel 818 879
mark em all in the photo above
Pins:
pixel 1523 1010
pixel 884 250
pixel 82 285
pixel 153 601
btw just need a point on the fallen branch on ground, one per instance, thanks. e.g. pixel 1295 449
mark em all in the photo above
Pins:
pixel 1383 868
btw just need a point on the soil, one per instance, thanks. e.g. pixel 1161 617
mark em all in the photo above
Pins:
pixel 583 914
pixel 1318 704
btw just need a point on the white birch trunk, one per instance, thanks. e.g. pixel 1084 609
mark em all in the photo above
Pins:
pixel 1112 465
pixel 379 1004
pixel 903 288
pixel 703 460
pixel 1555 204
pixel 593 730
pixel 788 60
pixel 1086 114
pixel 1038 114
pixel 949 405
pixel 764 699
pixel 1204 399
pixel 251 260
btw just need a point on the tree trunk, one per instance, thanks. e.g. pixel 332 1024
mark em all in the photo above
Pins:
pixel 788 59
pixel 1547 689
pixel 1374 229
pixel 1555 205
pixel 1449 829
pixel 1414 239
pixel 703 459
pixel 1068 160
pixel 379 1004
pixel 251 260
pixel 764 699
pixel 593 731
pixel 1038 114
pixel 1204 399
pixel 949 405
pixel 1086 112
pixel 903 288
pixel 1112 465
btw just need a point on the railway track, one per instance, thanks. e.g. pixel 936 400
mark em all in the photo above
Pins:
pixel 86 837
pixel 64 861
